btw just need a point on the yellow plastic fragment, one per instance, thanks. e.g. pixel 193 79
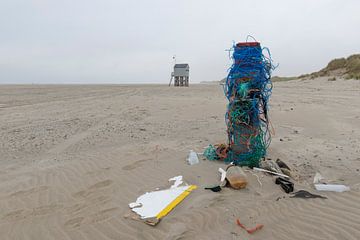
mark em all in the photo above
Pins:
pixel 176 201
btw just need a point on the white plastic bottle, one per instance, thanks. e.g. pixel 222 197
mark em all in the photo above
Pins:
pixel 332 187
pixel 192 158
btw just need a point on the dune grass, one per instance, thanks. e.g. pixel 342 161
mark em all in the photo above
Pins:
pixel 346 67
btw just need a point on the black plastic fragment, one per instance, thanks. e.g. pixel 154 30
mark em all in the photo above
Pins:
pixel 286 185
pixel 306 194
pixel 214 189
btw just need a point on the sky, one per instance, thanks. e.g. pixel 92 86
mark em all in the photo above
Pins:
pixel 117 41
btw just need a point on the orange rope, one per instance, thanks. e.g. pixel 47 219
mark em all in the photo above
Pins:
pixel 249 230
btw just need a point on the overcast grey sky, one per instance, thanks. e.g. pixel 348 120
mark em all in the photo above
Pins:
pixel 117 41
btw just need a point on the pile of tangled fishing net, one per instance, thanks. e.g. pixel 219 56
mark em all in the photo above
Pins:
pixel 248 88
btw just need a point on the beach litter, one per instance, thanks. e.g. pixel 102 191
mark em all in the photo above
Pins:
pixel 306 195
pixel 321 185
pixel 233 177
pixel 277 166
pixel 271 172
pixel 248 88
pixel 282 165
pixel 318 178
pixel 285 184
pixel 222 177
pixel 192 158
pixel 249 230
pixel 214 188
pixel 331 187
pixel 236 177
pixel 178 180
pixel 152 206
pixel 287 172
pixel 270 165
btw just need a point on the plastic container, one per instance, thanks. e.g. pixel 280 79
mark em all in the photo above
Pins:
pixel 332 187
pixel 236 177
pixel 192 158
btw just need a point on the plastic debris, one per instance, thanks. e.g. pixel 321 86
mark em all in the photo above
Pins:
pixel 248 88
pixel 321 185
pixel 285 184
pixel 236 177
pixel 332 187
pixel 250 230
pixel 192 158
pixel 317 178
pixel 178 181
pixel 281 164
pixel 257 177
pixel 152 206
pixel 267 171
pixel 270 165
pixel 134 205
pixel 286 172
pixel 214 189
pixel 210 153
pixel 306 194
pixel 223 177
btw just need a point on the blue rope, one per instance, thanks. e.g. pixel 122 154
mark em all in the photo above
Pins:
pixel 248 88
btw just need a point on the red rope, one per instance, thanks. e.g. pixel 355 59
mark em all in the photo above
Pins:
pixel 249 230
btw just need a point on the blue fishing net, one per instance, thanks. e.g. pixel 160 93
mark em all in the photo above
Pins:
pixel 248 88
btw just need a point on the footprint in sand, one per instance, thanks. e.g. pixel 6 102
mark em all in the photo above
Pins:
pixel 93 188
pixel 98 172
pixel 44 210
pixel 100 200
pixel 74 222
pixel 38 211
pixel 102 215
pixel 134 165
pixel 15 215
pixel 101 184
pixel 82 194
pixel 94 218
pixel 27 192
pixel 77 208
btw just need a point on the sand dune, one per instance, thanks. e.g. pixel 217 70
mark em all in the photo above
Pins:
pixel 73 157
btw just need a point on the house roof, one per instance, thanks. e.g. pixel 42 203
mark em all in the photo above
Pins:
pixel 181 65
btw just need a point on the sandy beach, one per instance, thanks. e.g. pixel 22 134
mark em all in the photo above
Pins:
pixel 73 157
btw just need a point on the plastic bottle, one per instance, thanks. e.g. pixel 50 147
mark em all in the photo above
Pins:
pixel 332 187
pixel 192 158
pixel 236 177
